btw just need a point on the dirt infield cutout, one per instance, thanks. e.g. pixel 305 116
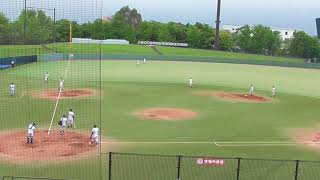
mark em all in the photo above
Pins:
pixel 307 137
pixel 234 96
pixel 53 148
pixel 52 94
pixel 167 114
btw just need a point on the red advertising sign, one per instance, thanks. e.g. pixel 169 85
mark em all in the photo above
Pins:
pixel 210 162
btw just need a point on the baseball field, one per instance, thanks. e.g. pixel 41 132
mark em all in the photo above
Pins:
pixel 150 108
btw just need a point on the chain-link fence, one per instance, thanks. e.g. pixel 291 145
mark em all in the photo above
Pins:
pixel 124 166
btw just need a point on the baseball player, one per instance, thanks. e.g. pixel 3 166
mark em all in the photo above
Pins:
pixel 273 91
pixel 95 135
pixel 190 82
pixel 61 84
pixel 63 122
pixel 70 119
pixel 144 61
pixel 31 129
pixel 12 88
pixel 251 91
pixel 46 78
pixel 12 64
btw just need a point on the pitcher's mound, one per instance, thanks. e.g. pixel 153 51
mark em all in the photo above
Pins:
pixel 234 96
pixel 167 114
pixel 47 148
pixel 66 94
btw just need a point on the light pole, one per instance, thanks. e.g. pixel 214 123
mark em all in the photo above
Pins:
pixel 218 21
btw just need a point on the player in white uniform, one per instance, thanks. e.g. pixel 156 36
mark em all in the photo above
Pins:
pixel 273 91
pixel 95 135
pixel 190 82
pixel 63 122
pixel 12 88
pixel 251 91
pixel 31 129
pixel 61 84
pixel 144 61
pixel 70 119
pixel 46 78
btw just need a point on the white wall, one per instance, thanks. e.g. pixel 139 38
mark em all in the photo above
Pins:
pixel 94 41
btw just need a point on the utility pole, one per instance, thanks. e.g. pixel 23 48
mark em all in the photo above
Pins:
pixel 218 21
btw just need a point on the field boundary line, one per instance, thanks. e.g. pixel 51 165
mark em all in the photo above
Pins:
pixel 222 144
pixel 58 98
pixel 22 95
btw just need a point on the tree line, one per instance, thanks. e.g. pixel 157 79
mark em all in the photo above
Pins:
pixel 128 24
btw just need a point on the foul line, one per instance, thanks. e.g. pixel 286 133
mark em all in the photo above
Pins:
pixel 22 95
pixel 58 98
pixel 225 144
pixel 140 142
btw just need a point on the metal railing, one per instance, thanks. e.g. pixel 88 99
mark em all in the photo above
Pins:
pixel 161 167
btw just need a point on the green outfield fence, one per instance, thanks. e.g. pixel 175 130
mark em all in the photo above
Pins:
pixel 161 167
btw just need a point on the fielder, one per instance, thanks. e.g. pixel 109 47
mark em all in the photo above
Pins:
pixel 61 84
pixel 12 88
pixel 190 82
pixel 63 123
pixel 95 135
pixel 46 78
pixel 273 92
pixel 31 129
pixel 70 119
pixel 251 91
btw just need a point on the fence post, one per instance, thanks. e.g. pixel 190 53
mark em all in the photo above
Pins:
pixel 297 170
pixel 110 165
pixel 238 168
pixel 179 167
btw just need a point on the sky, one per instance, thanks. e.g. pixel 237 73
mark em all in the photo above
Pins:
pixel 292 14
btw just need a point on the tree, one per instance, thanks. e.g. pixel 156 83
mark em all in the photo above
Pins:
pixel 264 40
pixel 303 45
pixel 39 27
pixel 149 31
pixel 226 41
pixel 4 28
pixel 124 24
pixel 243 40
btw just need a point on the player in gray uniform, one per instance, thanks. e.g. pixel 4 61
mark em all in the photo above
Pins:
pixel 63 124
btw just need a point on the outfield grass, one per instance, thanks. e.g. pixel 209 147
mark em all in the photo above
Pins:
pixel 173 51
pixel 221 54
pixel 127 88
pixel 105 49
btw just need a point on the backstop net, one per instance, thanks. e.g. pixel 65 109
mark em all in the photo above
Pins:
pixel 50 89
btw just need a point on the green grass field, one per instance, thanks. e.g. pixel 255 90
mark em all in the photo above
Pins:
pixel 127 88
pixel 172 51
